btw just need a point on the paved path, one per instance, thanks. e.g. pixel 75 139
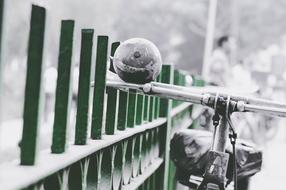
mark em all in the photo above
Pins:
pixel 273 174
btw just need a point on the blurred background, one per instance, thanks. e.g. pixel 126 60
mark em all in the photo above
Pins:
pixel 179 29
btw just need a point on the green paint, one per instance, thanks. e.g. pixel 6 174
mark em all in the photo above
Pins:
pixel 131 114
pixel 144 99
pixel 141 153
pixel 93 173
pixel 165 111
pixel 111 99
pixel 171 176
pixel 114 46
pixel 157 101
pixel 166 78
pixel 63 87
pixel 75 176
pixel 136 155
pixel 53 182
pixel 106 169
pixel 154 108
pixel 146 108
pixel 149 147
pixel 127 161
pixel 147 184
pixel 144 152
pixel 111 110
pixel 176 82
pixel 122 110
pixel 99 87
pixel 197 81
pixel 117 171
pixel 139 109
pixel 152 182
pixel 157 142
pixel 83 86
pixel 151 108
pixel 33 86
pixel 183 80
pixel 159 176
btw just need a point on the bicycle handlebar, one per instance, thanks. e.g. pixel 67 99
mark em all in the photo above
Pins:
pixel 200 96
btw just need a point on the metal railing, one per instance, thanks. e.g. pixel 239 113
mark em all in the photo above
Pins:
pixel 126 148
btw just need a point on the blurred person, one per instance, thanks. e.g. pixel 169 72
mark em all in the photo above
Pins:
pixel 217 75
pixel 219 62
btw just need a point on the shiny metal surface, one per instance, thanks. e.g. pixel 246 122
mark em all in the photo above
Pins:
pixel 200 95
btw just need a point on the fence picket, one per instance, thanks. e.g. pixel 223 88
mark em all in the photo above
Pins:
pixel 63 94
pixel 139 109
pixel 112 94
pixel 122 110
pixel 131 111
pixel 151 108
pixel 136 158
pixel 146 108
pixel 33 86
pixel 84 86
pixel 99 87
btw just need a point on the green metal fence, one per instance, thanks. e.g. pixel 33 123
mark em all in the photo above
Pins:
pixel 125 143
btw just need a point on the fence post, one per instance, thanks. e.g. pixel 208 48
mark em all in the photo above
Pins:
pixel 151 108
pixel 63 94
pixel 176 82
pixel 99 87
pixel 84 86
pixel 157 106
pixel 112 94
pixel 139 109
pixel 114 46
pixel 131 111
pixel 33 86
pixel 146 108
pixel 165 111
pixel 122 110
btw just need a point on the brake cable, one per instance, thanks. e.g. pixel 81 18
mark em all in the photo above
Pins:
pixel 215 119
pixel 232 137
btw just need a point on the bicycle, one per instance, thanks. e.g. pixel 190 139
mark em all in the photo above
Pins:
pixel 135 74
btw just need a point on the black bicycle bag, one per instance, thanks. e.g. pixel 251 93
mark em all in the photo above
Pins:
pixel 189 151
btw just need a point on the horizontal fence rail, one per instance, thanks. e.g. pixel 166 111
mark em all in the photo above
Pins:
pixel 121 138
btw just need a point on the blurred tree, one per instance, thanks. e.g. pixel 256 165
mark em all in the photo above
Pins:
pixel 176 27
pixel 261 23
